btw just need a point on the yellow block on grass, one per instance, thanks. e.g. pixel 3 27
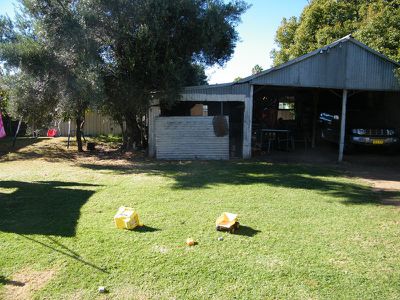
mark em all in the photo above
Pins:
pixel 127 218
pixel 226 220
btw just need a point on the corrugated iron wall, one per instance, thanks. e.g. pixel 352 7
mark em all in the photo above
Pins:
pixel 364 68
pixel 345 66
pixel 95 124
pixel 189 138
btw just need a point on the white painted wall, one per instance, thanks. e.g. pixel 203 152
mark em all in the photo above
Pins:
pixel 189 138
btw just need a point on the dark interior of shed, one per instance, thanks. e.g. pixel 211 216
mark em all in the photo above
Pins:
pixel 282 118
pixel 285 113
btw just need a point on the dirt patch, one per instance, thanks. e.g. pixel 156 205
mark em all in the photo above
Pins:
pixel 55 150
pixel 380 179
pixel 384 181
pixel 384 185
pixel 29 282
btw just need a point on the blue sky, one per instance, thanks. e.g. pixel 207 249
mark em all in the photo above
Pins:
pixel 257 32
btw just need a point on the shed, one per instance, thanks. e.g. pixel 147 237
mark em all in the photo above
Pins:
pixel 343 68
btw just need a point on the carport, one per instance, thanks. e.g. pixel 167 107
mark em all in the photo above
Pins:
pixel 342 70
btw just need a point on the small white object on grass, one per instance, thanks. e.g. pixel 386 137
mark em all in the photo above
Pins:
pixel 220 238
pixel 102 289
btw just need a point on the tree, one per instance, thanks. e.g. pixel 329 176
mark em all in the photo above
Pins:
pixel 31 98
pixel 53 60
pixel 256 69
pixel 285 39
pixel 146 51
pixel 30 88
pixel 375 23
pixel 152 48
pixel 380 27
pixel 3 97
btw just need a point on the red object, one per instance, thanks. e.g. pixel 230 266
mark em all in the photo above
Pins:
pixel 51 132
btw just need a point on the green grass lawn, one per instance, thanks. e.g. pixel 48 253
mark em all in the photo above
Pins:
pixel 307 231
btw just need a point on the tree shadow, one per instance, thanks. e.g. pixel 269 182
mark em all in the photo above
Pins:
pixel 5 281
pixel 203 175
pixel 6 144
pixel 246 231
pixel 44 207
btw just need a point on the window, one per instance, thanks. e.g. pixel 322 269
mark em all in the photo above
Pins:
pixel 286 105
pixel 286 108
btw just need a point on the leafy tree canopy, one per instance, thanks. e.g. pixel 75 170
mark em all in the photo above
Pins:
pixel 71 54
pixel 52 63
pixel 152 48
pixel 256 69
pixel 375 23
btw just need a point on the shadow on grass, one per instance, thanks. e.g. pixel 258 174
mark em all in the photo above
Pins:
pixel 44 207
pixel 6 144
pixel 5 281
pixel 202 175
pixel 65 251
pixel 246 231
pixel 145 229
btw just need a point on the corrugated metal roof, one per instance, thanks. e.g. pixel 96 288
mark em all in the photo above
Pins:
pixel 343 64
pixel 217 92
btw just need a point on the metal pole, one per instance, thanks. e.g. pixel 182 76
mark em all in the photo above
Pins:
pixel 342 125
pixel 16 132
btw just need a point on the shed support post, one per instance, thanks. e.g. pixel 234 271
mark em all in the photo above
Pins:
pixel 315 118
pixel 247 124
pixel 154 111
pixel 342 125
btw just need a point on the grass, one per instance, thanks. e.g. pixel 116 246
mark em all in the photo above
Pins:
pixel 307 231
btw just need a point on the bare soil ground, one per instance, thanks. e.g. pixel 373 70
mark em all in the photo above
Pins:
pixel 25 283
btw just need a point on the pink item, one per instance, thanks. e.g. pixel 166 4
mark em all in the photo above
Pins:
pixel 2 131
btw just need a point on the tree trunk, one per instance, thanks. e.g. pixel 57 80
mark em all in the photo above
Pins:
pixel 79 134
pixel 132 134
pixel 123 132
pixel 142 131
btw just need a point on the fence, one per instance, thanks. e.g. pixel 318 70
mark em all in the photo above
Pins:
pixel 95 124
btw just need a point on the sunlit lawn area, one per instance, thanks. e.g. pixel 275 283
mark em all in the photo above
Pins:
pixel 307 231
